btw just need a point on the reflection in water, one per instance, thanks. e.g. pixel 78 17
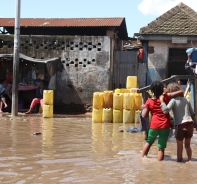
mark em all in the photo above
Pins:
pixel 47 134
pixel 75 150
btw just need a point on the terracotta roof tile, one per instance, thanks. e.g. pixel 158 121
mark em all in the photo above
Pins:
pixel 180 20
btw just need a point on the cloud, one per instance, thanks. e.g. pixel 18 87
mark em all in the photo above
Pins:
pixel 158 7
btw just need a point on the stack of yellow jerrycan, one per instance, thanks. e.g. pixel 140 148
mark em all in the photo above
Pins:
pixel 97 107
pixel 107 116
pixel 48 97
pixel 132 85
pixel 128 107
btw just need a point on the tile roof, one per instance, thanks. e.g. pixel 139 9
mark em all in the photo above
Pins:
pixel 180 20
pixel 63 22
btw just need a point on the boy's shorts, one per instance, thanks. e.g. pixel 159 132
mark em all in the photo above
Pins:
pixel 184 130
pixel 163 136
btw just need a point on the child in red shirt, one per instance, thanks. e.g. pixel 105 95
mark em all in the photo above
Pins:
pixel 160 122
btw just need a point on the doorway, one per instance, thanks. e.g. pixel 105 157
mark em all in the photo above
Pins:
pixel 176 62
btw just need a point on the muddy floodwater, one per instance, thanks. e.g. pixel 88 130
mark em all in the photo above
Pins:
pixel 70 149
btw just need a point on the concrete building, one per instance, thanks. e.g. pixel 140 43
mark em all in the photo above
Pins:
pixel 165 41
pixel 85 47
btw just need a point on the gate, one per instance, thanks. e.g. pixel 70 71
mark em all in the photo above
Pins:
pixel 125 64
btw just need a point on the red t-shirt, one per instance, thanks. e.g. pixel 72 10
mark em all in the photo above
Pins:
pixel 159 120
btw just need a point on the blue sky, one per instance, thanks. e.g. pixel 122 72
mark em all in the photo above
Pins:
pixel 138 13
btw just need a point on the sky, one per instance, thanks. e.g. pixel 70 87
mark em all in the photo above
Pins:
pixel 137 13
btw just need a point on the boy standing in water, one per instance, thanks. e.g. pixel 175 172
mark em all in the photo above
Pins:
pixel 160 122
pixel 183 120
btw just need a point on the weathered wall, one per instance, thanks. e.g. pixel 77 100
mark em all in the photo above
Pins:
pixel 86 61
pixel 157 61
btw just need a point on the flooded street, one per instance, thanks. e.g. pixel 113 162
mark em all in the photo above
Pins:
pixel 73 150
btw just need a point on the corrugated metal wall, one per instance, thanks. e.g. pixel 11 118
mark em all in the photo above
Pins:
pixel 125 64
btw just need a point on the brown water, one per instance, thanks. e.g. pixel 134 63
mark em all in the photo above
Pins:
pixel 73 150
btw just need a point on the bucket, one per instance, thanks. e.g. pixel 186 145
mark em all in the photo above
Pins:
pixel 118 101
pixel 97 115
pixel 97 100
pixel 117 116
pixel 47 111
pixel 48 97
pixel 108 99
pixel 128 116
pixel 107 116
pixel 128 101
pixel 131 82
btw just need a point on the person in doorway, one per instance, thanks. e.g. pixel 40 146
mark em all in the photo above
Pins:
pixel 3 84
pixel 39 96
pixel 160 122
pixel 184 118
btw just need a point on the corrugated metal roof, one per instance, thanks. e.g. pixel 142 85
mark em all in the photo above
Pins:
pixel 62 22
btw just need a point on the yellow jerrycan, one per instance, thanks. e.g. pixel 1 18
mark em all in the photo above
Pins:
pixel 128 116
pixel 122 90
pixel 117 116
pixel 98 100
pixel 118 101
pixel 131 82
pixel 48 96
pixel 97 115
pixel 137 116
pixel 138 101
pixel 107 116
pixel 47 111
pixel 108 99
pixel 128 101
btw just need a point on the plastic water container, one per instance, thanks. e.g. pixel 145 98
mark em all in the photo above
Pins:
pixel 122 90
pixel 97 100
pixel 107 116
pixel 138 101
pixel 131 82
pixel 108 99
pixel 118 101
pixel 48 96
pixel 128 116
pixel 117 116
pixel 47 111
pixel 133 90
pixel 97 115
pixel 128 101
pixel 137 116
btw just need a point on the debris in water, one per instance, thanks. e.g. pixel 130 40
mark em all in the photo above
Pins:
pixel 37 133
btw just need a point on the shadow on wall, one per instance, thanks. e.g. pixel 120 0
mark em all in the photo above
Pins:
pixel 67 99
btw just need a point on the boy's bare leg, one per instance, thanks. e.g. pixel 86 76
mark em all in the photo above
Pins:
pixel 146 149
pixel 179 150
pixel 1 104
pixel 188 149
pixel 4 102
pixel 160 154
